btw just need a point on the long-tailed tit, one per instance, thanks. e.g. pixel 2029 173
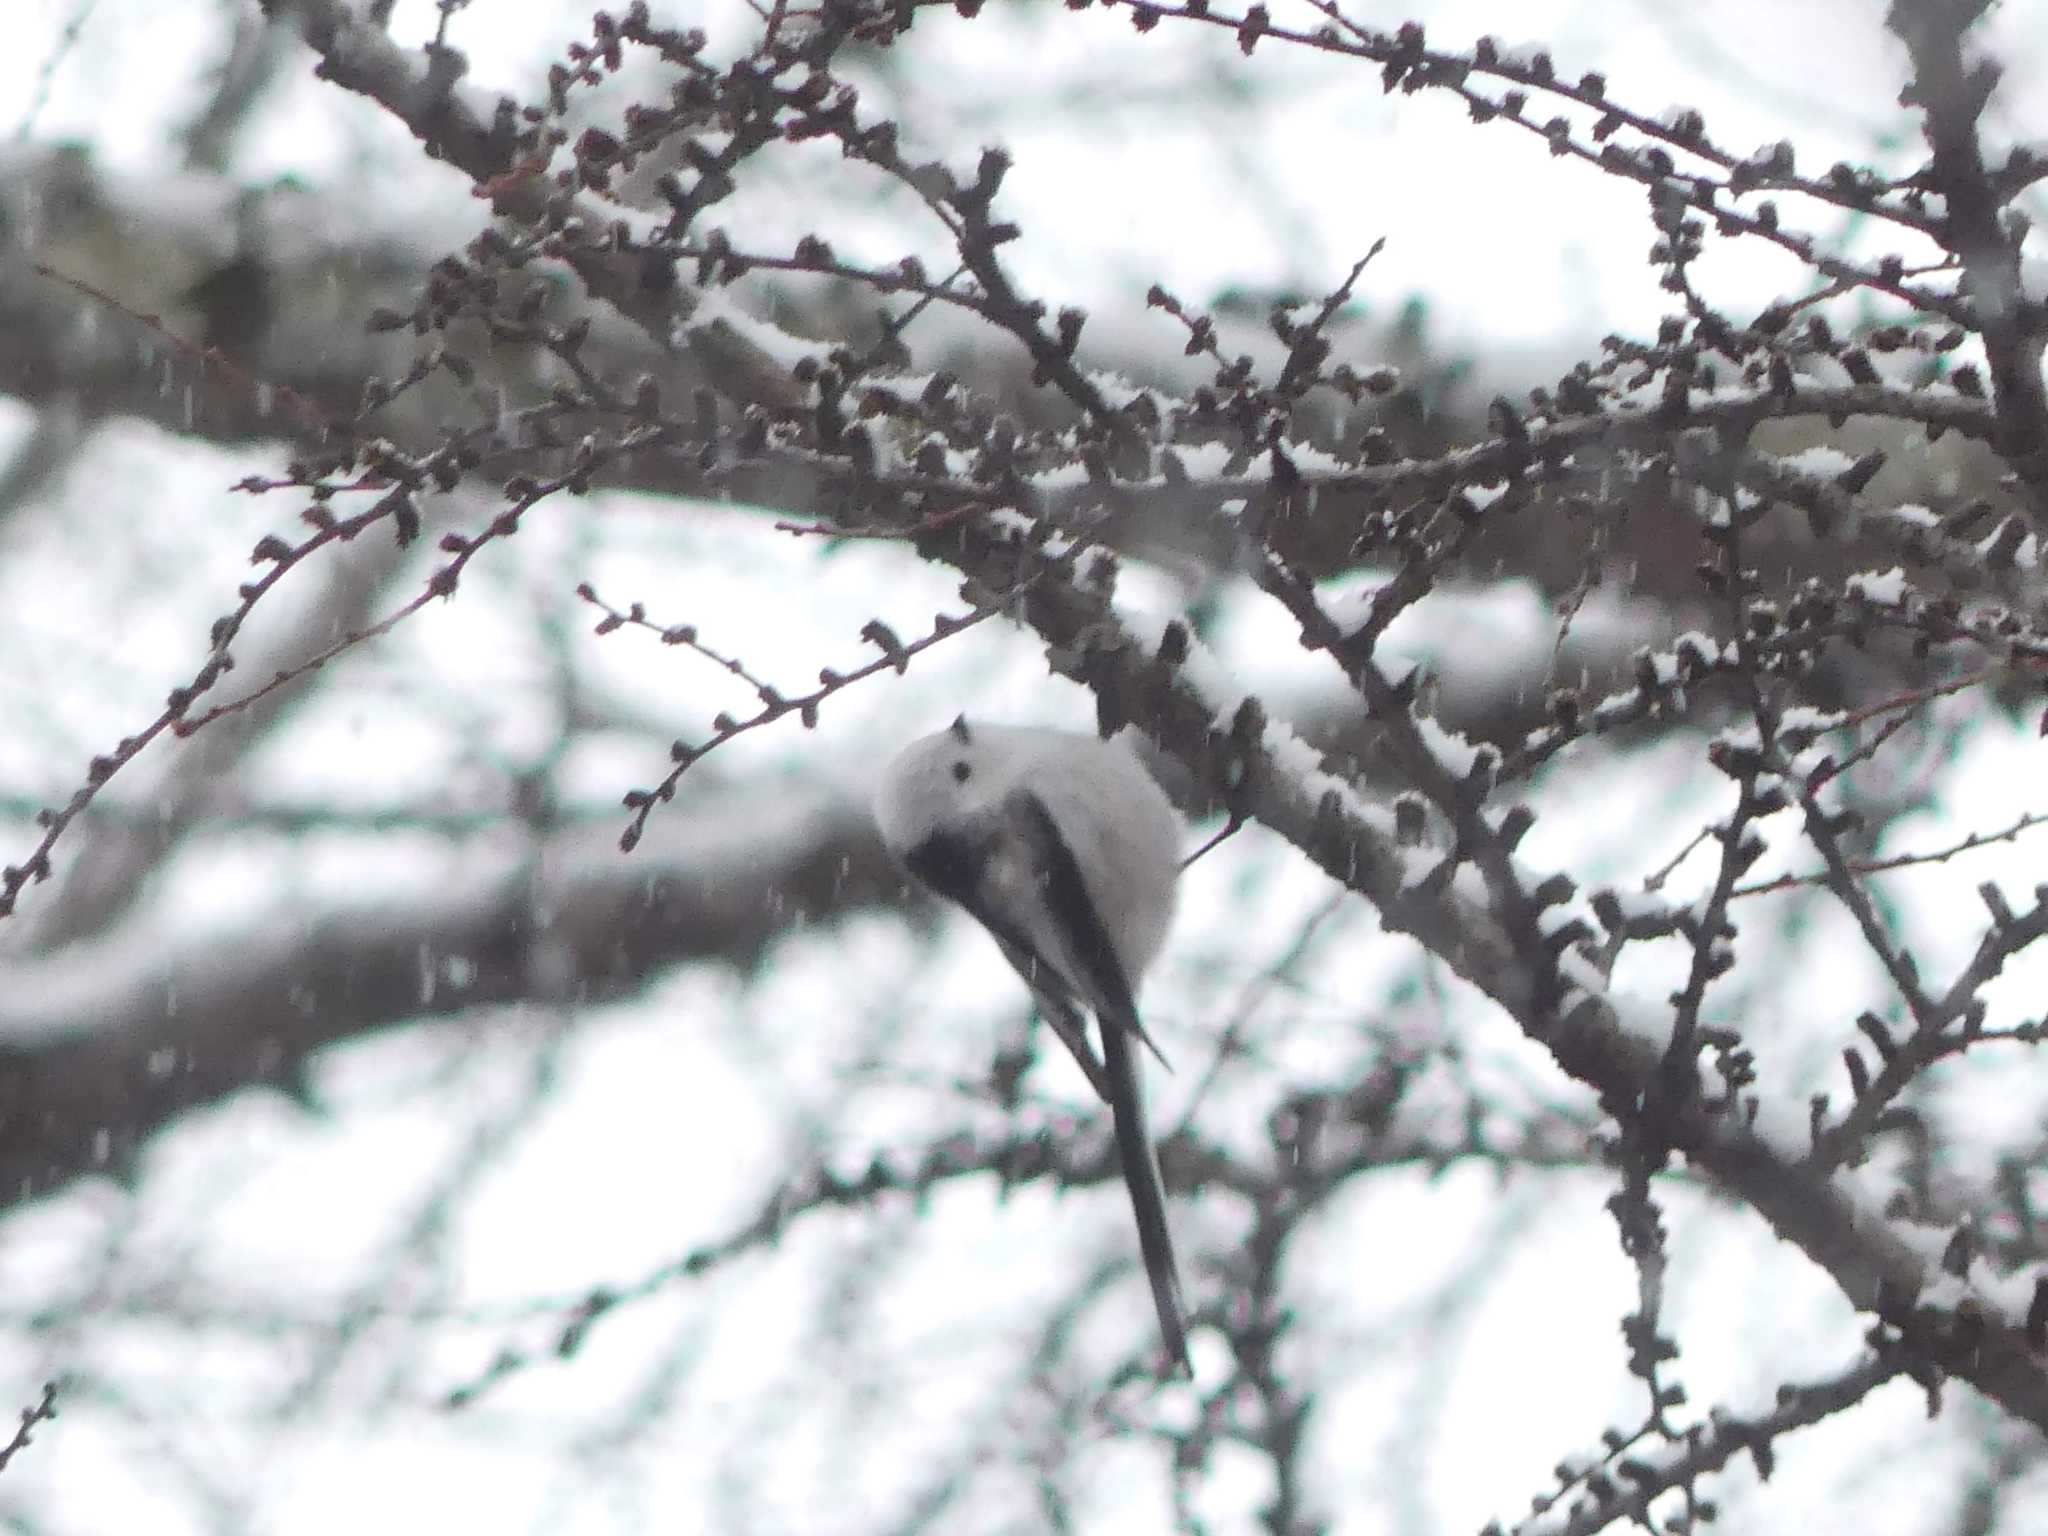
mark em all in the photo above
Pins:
pixel 1064 848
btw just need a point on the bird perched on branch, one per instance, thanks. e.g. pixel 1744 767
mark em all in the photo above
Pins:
pixel 1064 848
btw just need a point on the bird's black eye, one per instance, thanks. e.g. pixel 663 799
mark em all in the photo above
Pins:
pixel 962 773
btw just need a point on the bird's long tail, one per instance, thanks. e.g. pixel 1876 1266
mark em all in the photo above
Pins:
pixel 1141 1176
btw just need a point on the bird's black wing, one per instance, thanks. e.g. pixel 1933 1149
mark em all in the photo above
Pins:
pixel 1057 1006
pixel 952 864
pixel 1067 896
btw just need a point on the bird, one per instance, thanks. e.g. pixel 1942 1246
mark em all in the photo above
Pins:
pixel 1066 850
